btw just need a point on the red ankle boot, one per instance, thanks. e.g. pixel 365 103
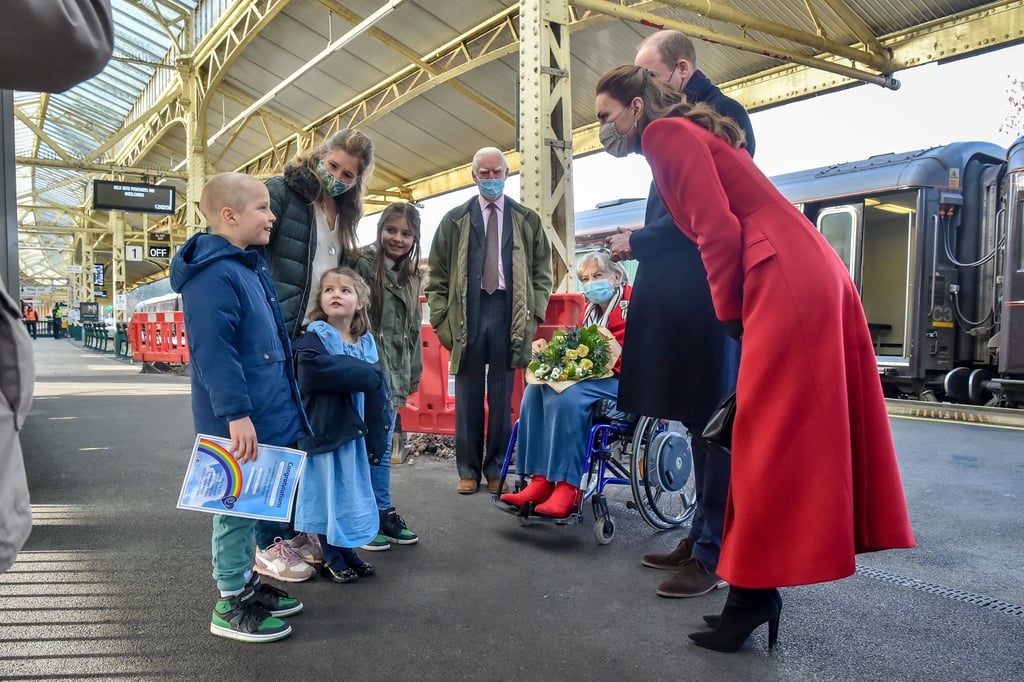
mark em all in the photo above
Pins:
pixel 537 491
pixel 562 502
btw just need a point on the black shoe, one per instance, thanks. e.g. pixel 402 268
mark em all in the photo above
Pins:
pixel 713 619
pixel 274 600
pixel 745 610
pixel 363 571
pixel 338 574
pixel 392 527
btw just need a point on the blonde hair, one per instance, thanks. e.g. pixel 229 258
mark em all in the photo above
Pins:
pixel 350 203
pixel 361 320
pixel 226 190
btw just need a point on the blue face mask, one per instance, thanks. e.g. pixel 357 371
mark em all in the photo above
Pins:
pixel 492 188
pixel 599 291
pixel 332 185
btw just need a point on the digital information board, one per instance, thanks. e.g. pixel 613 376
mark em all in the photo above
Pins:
pixel 132 196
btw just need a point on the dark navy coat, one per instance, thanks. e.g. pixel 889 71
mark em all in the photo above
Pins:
pixel 327 383
pixel 672 329
pixel 239 352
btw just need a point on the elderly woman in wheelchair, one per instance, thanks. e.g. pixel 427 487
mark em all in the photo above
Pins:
pixel 551 448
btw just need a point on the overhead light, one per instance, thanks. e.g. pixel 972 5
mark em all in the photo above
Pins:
pixel 894 208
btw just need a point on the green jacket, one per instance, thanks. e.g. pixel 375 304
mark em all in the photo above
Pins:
pixel 396 332
pixel 530 284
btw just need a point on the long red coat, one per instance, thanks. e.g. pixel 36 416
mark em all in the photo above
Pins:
pixel 814 472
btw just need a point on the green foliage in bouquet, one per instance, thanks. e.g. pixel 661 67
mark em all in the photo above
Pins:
pixel 572 354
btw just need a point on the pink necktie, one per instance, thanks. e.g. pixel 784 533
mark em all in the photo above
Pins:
pixel 490 275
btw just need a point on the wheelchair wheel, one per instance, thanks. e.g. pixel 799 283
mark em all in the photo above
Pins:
pixel 604 530
pixel 661 474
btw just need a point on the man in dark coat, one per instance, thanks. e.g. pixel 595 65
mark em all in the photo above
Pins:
pixel 678 335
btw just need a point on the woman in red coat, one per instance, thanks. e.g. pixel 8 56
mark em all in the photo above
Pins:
pixel 814 473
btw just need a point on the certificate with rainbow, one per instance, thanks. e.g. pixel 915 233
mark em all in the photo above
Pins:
pixel 216 483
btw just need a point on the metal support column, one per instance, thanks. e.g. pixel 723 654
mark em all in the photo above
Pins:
pixel 119 288
pixel 88 288
pixel 9 274
pixel 195 143
pixel 545 127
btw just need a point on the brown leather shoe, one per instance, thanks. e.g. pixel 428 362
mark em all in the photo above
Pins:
pixel 693 579
pixel 467 486
pixel 492 486
pixel 671 561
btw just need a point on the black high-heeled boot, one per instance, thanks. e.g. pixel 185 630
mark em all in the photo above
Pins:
pixel 713 619
pixel 745 610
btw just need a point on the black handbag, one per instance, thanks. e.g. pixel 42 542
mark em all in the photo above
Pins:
pixel 719 426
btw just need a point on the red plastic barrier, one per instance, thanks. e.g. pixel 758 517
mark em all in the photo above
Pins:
pixel 158 337
pixel 432 408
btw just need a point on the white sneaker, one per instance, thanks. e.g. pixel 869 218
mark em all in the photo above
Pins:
pixel 307 546
pixel 279 561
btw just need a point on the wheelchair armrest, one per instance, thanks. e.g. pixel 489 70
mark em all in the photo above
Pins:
pixel 606 410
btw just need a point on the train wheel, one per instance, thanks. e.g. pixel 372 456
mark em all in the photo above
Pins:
pixel 661 475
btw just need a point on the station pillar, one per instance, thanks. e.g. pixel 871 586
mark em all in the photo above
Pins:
pixel 545 128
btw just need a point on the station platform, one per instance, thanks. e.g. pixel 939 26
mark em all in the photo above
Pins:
pixel 114 582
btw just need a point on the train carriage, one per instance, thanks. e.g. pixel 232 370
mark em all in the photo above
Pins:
pixel 933 240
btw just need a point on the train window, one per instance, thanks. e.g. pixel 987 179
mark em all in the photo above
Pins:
pixel 839 227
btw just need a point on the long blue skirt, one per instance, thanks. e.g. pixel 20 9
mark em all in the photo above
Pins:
pixel 335 496
pixel 554 427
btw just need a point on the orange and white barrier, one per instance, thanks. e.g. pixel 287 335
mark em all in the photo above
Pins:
pixel 432 408
pixel 158 337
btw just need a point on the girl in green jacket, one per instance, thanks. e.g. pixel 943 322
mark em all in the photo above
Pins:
pixel 391 267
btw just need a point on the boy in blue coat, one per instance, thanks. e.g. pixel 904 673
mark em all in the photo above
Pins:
pixel 243 383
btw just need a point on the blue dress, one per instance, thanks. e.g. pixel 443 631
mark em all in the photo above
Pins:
pixel 335 495
pixel 553 428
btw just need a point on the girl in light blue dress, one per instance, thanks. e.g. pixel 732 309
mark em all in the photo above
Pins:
pixel 346 397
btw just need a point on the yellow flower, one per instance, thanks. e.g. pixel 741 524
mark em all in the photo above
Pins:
pixel 570 353
pixel 586 364
pixel 582 350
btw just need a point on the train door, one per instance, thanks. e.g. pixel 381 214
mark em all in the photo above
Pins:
pixel 1011 347
pixel 873 239
pixel 886 273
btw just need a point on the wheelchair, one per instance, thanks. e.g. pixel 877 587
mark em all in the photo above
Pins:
pixel 650 455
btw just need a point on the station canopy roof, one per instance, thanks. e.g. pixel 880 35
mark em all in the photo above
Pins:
pixel 428 81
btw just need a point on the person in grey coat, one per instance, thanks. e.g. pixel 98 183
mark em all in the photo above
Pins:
pixel 82 33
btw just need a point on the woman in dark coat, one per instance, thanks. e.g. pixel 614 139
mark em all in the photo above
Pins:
pixel 814 473
pixel 318 202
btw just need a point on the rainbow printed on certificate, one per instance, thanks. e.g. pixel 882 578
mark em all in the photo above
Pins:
pixel 216 483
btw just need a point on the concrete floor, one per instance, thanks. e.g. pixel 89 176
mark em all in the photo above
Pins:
pixel 114 582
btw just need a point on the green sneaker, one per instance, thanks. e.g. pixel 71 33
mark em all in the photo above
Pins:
pixel 274 600
pixel 393 528
pixel 242 618
pixel 378 544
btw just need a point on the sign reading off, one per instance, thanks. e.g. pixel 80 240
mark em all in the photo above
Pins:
pixel 132 196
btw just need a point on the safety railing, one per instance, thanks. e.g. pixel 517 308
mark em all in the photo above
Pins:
pixel 96 336
pixel 158 337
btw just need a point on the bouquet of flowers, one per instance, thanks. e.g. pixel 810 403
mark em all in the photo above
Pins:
pixel 574 355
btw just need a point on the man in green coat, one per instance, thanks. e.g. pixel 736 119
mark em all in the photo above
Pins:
pixel 490 279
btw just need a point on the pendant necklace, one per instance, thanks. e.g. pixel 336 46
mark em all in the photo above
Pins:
pixel 332 249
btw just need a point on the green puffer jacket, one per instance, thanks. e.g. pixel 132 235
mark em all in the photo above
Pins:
pixel 396 332
pixel 530 287
pixel 292 242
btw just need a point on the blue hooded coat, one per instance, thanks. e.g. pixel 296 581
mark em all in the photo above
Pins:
pixel 239 352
